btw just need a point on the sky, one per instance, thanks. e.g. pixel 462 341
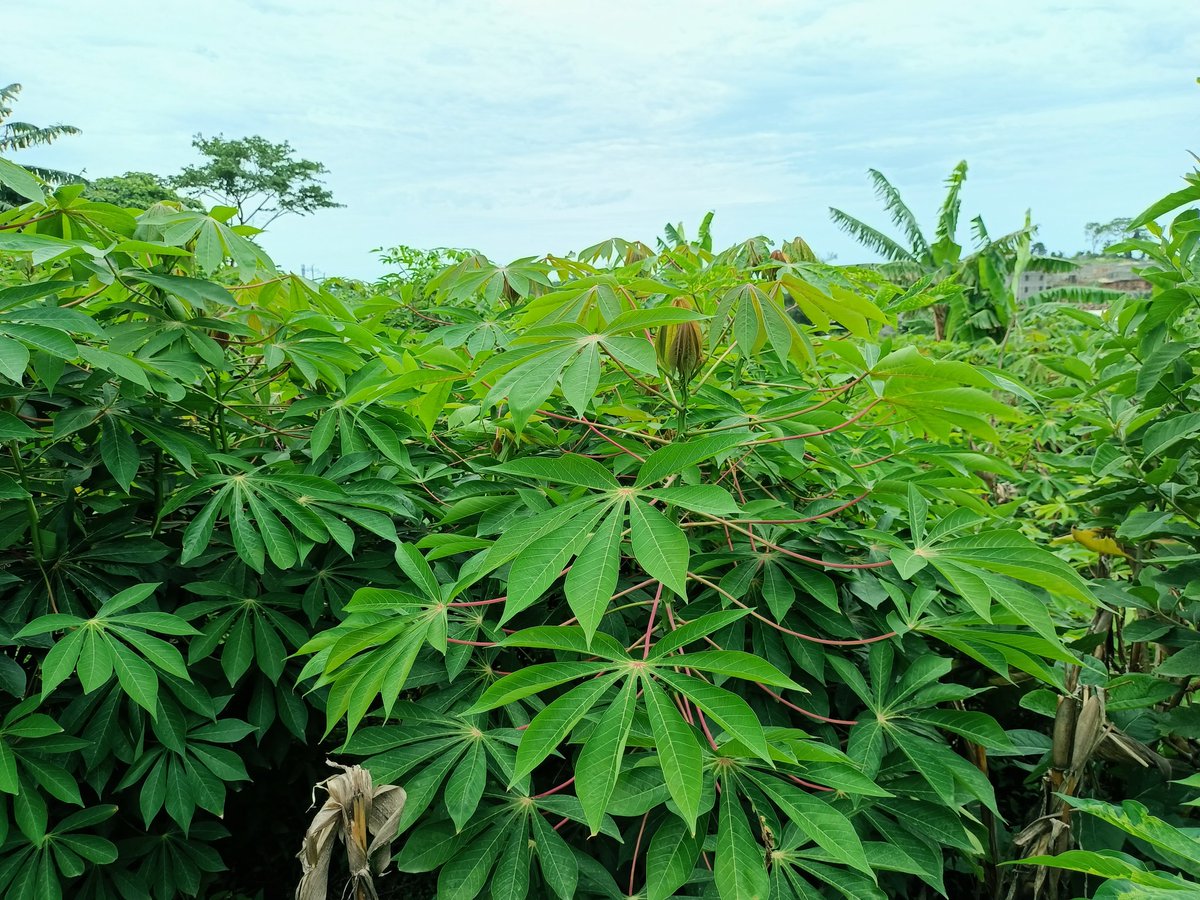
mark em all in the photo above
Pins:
pixel 525 127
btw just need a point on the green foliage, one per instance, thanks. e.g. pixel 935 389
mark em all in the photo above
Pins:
pixel 766 627
pixel 16 136
pixel 1129 876
pixel 135 190
pixel 977 294
pixel 259 179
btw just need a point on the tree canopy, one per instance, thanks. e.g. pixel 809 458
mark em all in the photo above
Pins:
pixel 259 179
pixel 136 190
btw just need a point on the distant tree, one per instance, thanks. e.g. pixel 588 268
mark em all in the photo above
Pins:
pixel 260 179
pixel 136 190
pixel 1100 234
pixel 15 136
pixel 1038 248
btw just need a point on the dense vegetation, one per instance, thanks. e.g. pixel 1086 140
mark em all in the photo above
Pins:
pixel 649 571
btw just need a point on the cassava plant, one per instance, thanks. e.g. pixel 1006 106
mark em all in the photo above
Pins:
pixel 742 651
pixel 635 584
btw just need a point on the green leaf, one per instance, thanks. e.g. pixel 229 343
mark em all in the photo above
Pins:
pixel 59 663
pixel 924 755
pixel 679 754
pixel 48 623
pixel 551 726
pixel 463 877
pixel 696 629
pixel 13 429
pixel 737 664
pixel 660 546
pixel 14 359
pixel 532 680
pixel 556 860
pixel 157 651
pixel 510 881
pixel 128 598
pixel 1172 201
pixel 277 540
pixel 675 458
pixel 581 378
pixel 136 678
pixel 239 650
pixel 413 564
pixel 118 451
pixel 1109 864
pixel 21 181
pixel 633 352
pixel 740 868
pixel 978 727
pixel 704 498
pixel 819 822
pixel 570 638
pixel 246 540
pixel 670 860
pixel 540 564
pixel 599 761
pixel 8 770
pixel 638 319
pixel 96 658
pixel 1180 849
pixel 593 578
pixel 569 468
pixel 533 383
pixel 199 531
pixel 464 788
pixel 1165 434
pixel 724 707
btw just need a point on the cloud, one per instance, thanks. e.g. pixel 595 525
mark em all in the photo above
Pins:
pixel 524 126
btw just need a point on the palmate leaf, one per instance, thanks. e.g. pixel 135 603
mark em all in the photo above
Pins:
pixel 568 355
pixel 676 741
pixel 114 641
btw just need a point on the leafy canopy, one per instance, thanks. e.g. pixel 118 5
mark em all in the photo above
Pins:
pixel 260 179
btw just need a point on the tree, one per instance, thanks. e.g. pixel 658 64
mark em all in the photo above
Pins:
pixel 259 179
pixel 15 136
pixel 916 257
pixel 136 190
pixel 1101 234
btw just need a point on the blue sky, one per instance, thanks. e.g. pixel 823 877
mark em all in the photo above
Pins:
pixel 534 126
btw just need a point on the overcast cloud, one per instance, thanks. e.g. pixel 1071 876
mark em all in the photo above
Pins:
pixel 521 128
